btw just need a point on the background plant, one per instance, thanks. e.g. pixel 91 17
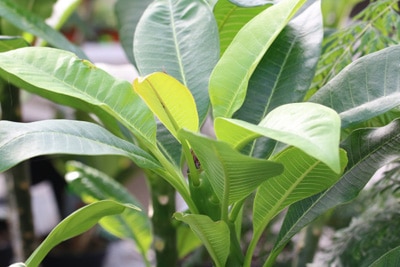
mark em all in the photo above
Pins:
pixel 278 65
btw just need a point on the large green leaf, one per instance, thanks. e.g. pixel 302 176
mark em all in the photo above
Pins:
pixel 368 150
pixel 366 88
pixel 32 23
pixel 128 13
pixel 232 175
pixel 230 77
pixel 214 235
pixel 315 129
pixel 285 72
pixel 75 224
pixel 92 185
pixel 21 141
pixel 175 111
pixel 8 43
pixel 63 78
pixel 391 258
pixel 181 39
pixel 231 18
pixel 303 177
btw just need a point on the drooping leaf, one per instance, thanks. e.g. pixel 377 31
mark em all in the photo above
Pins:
pixel 63 78
pixel 32 23
pixel 8 43
pixel 92 185
pixel 231 18
pixel 214 235
pixel 75 224
pixel 315 129
pixel 367 151
pixel 232 175
pixel 187 241
pixel 21 141
pixel 181 39
pixel 366 88
pixel 128 13
pixel 391 258
pixel 286 70
pixel 169 100
pixel 230 77
pixel 303 177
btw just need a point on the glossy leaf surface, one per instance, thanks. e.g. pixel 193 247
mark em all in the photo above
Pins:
pixel 32 23
pixel 364 89
pixel 230 77
pixel 169 100
pixel 368 150
pixel 315 129
pixel 232 175
pixel 75 224
pixel 214 235
pixel 21 141
pixel 63 78
pixel 181 39
pixel 92 185
pixel 286 70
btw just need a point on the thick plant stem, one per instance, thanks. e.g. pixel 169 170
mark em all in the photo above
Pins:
pixel 18 183
pixel 163 204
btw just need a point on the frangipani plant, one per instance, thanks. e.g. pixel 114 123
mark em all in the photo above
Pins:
pixel 268 140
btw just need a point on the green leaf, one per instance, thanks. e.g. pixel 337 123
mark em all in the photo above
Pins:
pixel 35 25
pixel 63 78
pixel 128 13
pixel 232 175
pixel 187 241
pixel 303 177
pixel 367 151
pixel 286 70
pixel 92 185
pixel 8 43
pixel 315 129
pixel 230 77
pixel 230 19
pixel 175 110
pixel 366 88
pixel 391 258
pixel 181 39
pixel 75 224
pixel 214 235
pixel 21 141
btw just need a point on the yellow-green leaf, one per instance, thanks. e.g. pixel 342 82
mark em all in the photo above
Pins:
pixel 169 100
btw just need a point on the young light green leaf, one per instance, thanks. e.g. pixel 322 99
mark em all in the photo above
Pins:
pixel 315 129
pixel 231 18
pixel 181 39
pixel 303 177
pixel 35 25
pixel 229 79
pixel 75 224
pixel 21 141
pixel 368 150
pixel 63 78
pixel 92 185
pixel 214 235
pixel 169 100
pixel 232 175
pixel 364 89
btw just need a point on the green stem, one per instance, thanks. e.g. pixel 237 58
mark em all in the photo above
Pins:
pixel 194 172
pixel 18 182
pixel 163 203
